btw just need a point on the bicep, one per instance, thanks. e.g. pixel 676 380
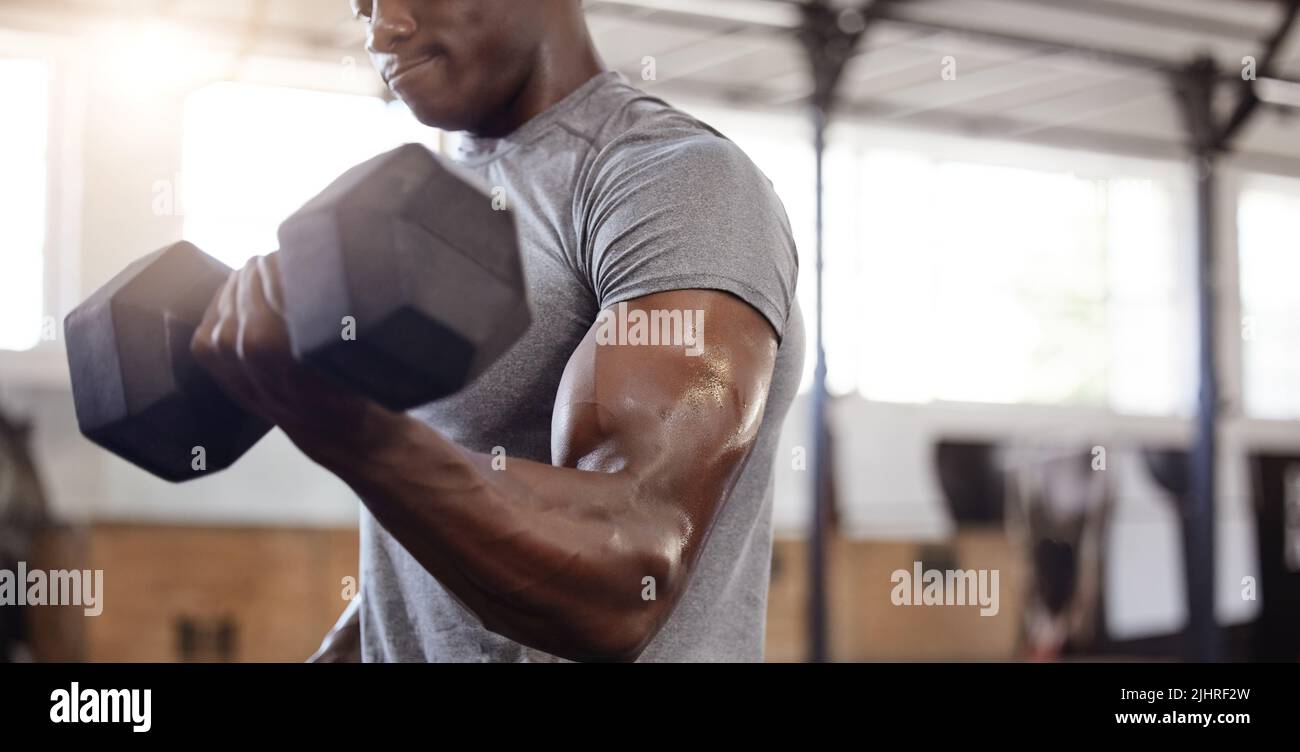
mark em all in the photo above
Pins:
pixel 676 414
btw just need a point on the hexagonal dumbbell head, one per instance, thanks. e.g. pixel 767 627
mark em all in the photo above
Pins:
pixel 401 280
pixel 137 391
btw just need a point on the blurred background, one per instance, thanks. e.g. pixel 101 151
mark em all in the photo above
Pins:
pixel 1029 237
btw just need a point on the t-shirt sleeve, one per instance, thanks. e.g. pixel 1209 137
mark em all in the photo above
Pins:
pixel 691 212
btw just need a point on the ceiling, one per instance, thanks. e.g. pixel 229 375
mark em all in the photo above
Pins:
pixel 743 53
pixel 1005 87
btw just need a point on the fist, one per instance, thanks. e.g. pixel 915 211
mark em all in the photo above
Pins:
pixel 243 341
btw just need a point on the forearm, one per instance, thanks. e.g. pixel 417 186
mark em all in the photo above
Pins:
pixel 554 558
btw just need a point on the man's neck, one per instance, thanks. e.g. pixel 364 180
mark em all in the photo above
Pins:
pixel 565 62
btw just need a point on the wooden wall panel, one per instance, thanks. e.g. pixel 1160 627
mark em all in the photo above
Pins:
pixel 865 625
pixel 281 590
pixel 275 591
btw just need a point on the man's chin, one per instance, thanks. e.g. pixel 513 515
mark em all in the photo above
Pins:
pixel 440 116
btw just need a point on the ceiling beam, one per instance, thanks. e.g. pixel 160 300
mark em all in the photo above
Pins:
pixel 671 15
pixel 1267 62
pixel 1116 10
pixel 995 127
pixel 898 13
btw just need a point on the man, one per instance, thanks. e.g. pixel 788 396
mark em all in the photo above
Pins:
pixel 588 498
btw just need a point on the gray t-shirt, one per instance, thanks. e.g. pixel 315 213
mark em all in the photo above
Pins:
pixel 617 196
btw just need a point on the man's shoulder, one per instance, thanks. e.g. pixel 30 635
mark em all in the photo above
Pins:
pixel 625 123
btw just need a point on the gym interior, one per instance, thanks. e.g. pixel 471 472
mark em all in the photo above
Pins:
pixel 1048 251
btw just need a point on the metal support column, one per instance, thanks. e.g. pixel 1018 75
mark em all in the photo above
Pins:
pixel 1196 89
pixel 829 38
pixel 1208 141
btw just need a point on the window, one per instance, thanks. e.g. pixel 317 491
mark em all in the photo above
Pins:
pixel 984 282
pixel 255 154
pixel 1267 222
pixel 961 271
pixel 24 90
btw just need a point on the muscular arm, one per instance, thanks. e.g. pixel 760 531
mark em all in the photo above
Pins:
pixel 646 446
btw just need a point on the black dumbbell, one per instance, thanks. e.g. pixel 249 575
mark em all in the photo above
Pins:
pixel 400 279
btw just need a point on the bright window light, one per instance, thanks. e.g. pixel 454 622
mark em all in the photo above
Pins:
pixel 24 90
pixel 977 282
pixel 255 154
pixel 971 281
pixel 1267 220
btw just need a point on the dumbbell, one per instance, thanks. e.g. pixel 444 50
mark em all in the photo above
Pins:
pixel 401 281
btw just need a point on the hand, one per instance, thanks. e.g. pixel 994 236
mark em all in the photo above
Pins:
pixel 243 342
